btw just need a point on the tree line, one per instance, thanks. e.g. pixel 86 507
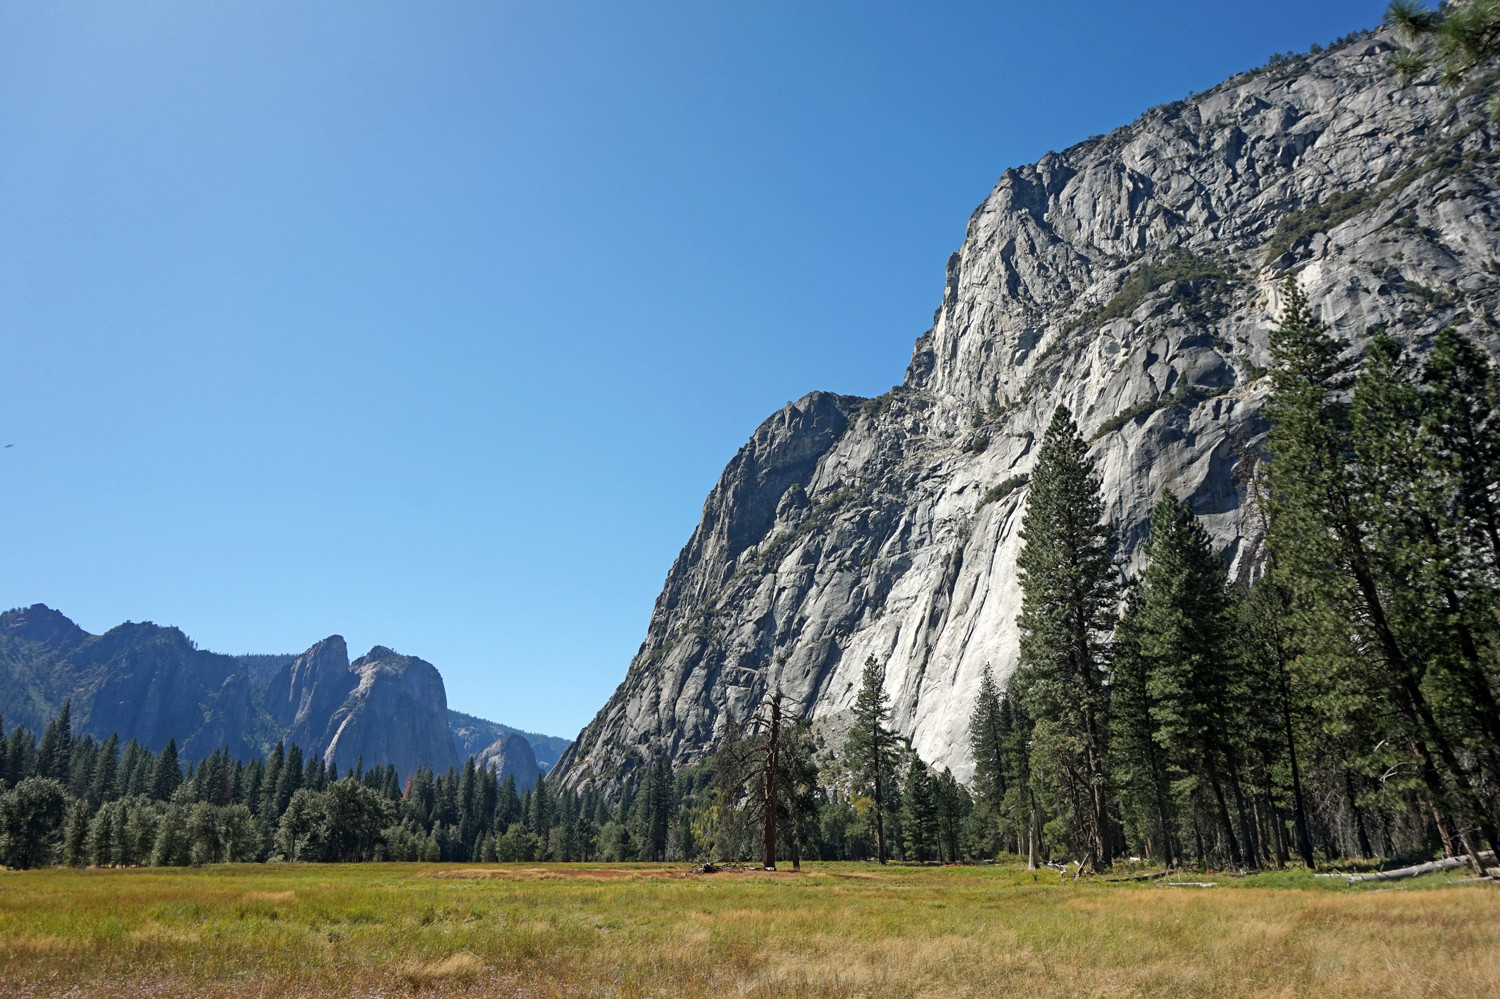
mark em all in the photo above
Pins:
pixel 78 801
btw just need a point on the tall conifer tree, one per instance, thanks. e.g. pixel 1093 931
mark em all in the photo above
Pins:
pixel 871 748
pixel 1070 588
pixel 1182 627
pixel 987 744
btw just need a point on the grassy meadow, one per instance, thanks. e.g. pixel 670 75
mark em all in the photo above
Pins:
pixel 638 930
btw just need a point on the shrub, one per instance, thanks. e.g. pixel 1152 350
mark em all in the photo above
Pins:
pixel 998 492
pixel 31 820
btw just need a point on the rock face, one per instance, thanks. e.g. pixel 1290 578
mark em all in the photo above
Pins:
pixel 150 682
pixel 396 713
pixel 303 695
pixel 472 736
pixel 1132 278
pixel 383 708
pixel 510 756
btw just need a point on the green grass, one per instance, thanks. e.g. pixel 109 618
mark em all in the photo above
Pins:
pixel 638 930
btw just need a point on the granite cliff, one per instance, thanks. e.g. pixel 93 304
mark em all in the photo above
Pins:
pixel 381 708
pixel 1133 278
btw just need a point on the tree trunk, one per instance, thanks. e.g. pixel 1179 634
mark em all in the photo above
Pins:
pixel 796 843
pixel 768 843
pixel 1224 820
pixel 1299 810
pixel 1448 863
pixel 1439 796
pixel 1248 830
pixel 1414 705
pixel 1359 820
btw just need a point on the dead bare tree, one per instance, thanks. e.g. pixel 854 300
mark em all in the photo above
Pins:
pixel 750 757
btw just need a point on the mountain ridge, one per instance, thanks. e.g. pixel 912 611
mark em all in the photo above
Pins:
pixel 152 683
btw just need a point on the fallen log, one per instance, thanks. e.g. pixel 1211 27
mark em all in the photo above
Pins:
pixel 1142 877
pixel 1415 870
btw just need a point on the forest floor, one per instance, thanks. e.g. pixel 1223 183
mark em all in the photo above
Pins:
pixel 639 930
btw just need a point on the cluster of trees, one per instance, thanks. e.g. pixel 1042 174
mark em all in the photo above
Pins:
pixel 778 791
pixel 1345 703
pixel 78 801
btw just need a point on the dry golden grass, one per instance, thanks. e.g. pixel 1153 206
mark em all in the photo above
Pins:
pixel 640 930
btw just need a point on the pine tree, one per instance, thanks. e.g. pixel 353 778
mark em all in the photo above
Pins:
pixel 268 806
pixel 1267 652
pixel 1455 38
pixel 1140 760
pixel 54 752
pixel 1182 627
pixel 1453 506
pixel 660 805
pixel 953 808
pixel 166 775
pixel 797 792
pixel 508 806
pixel 1020 798
pixel 1461 424
pixel 871 748
pixel 987 744
pixel 76 834
pixel 543 807
pixel 288 781
pixel 1435 605
pixel 106 772
pixel 136 768
pixel 1069 591
pixel 919 811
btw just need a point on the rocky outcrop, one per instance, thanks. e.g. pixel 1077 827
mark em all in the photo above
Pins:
pixel 510 756
pixel 472 736
pixel 304 694
pixel 382 708
pixel 1133 278
pixel 397 713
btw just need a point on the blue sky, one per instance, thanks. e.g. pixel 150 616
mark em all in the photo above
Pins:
pixel 433 324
